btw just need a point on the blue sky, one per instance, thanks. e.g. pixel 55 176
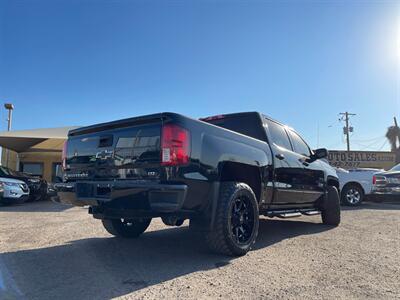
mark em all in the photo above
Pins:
pixel 81 62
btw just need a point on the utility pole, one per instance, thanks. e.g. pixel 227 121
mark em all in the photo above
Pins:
pixel 347 129
pixel 397 126
pixel 10 108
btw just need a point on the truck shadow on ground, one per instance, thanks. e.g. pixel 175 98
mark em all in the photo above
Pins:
pixel 35 206
pixel 103 268
pixel 385 205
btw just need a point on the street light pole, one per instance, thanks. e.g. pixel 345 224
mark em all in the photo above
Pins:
pixel 10 108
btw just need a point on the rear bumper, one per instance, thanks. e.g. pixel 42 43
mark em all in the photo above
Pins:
pixel 143 195
pixel 386 190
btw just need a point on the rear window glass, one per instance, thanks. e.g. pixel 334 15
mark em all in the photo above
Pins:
pixel 395 168
pixel 249 125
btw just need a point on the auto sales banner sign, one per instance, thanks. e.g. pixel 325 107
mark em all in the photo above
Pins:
pixel 362 159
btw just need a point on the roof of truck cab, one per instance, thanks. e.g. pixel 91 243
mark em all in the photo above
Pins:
pixel 238 114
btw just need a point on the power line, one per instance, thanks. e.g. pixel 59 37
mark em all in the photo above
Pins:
pixel 372 146
pixel 369 140
pixel 369 145
pixel 384 144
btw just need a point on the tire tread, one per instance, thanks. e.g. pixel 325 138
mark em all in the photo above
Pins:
pixel 216 239
pixel 330 211
pixel 114 228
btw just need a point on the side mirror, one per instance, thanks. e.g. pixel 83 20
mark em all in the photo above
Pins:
pixel 320 153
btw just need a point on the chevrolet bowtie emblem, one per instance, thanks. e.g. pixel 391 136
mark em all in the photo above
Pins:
pixel 105 154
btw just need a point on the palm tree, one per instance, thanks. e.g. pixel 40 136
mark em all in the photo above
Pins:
pixel 393 135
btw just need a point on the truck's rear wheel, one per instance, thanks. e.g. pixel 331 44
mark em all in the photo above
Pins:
pixel 330 210
pixel 236 220
pixel 126 228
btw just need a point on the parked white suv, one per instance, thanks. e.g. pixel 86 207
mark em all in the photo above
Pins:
pixel 14 191
pixel 355 184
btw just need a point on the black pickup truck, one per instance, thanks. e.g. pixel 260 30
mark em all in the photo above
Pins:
pixel 219 172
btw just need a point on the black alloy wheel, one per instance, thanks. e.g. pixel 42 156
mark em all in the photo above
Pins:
pixel 242 220
pixel 236 222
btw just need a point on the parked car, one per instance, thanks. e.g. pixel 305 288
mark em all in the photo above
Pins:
pixel 37 185
pixel 220 172
pixel 355 184
pixel 51 191
pixel 14 191
pixel 387 183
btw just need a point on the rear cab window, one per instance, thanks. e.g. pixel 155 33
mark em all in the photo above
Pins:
pixel 247 124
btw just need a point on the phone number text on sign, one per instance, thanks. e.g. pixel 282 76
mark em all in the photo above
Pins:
pixel 362 159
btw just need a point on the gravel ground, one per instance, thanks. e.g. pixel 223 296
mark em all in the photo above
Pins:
pixel 50 251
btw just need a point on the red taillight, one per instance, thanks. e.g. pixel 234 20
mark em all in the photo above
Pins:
pixel 64 156
pixel 374 179
pixel 175 145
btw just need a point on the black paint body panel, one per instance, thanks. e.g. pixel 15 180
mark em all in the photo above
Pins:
pixel 120 166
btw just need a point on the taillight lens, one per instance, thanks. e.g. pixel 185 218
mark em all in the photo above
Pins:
pixel 64 156
pixel 175 145
pixel 374 179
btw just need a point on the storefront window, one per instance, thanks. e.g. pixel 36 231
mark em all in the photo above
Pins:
pixel 35 169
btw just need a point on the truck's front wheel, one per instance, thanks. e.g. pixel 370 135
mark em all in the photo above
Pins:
pixel 330 210
pixel 236 220
pixel 126 228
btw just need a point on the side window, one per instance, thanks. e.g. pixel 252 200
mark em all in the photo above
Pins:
pixel 278 135
pixel 299 145
pixel 57 172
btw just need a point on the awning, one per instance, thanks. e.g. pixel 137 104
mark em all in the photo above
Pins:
pixel 35 140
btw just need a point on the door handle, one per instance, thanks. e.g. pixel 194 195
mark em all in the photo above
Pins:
pixel 280 156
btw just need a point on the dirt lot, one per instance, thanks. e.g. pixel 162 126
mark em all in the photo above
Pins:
pixel 50 251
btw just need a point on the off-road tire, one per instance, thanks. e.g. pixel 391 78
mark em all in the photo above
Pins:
pixel 330 210
pixel 357 191
pixel 221 239
pixel 126 228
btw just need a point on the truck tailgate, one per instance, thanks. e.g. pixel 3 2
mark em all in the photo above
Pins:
pixel 127 149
